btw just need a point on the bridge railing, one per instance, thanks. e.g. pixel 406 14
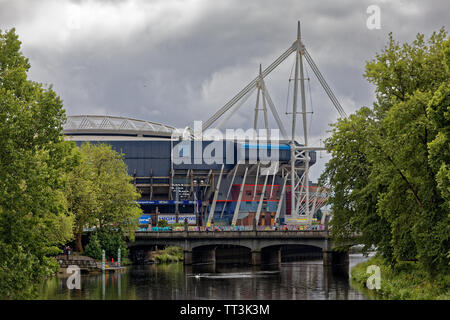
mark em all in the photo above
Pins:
pixel 317 227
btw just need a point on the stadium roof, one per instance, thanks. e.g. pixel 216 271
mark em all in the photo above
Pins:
pixel 93 124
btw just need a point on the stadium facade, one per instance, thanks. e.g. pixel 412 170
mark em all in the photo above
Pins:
pixel 239 189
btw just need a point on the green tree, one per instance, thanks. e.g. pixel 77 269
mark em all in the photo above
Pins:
pixel 100 193
pixel 94 247
pixel 318 215
pixel 389 166
pixel 163 223
pixel 110 241
pixel 34 219
pixel 354 194
pixel 81 194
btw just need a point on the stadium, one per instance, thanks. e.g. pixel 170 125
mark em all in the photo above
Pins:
pixel 243 184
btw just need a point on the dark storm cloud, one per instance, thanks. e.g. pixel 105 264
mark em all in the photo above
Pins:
pixel 179 61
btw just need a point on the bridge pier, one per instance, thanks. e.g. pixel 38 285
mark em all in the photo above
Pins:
pixel 338 260
pixel 204 255
pixel 256 258
pixel 327 257
pixel 187 257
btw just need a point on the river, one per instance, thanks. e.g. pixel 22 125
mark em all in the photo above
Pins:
pixel 305 280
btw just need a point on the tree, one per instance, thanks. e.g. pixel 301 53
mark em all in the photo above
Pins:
pixel 100 194
pixel 389 170
pixel 94 247
pixel 163 223
pixel 110 241
pixel 318 215
pixel 81 194
pixel 34 219
pixel 353 196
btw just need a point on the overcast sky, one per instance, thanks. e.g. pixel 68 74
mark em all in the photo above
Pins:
pixel 174 61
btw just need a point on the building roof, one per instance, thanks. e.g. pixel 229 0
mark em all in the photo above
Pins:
pixel 111 125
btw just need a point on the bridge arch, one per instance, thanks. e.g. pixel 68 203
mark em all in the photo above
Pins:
pixel 221 253
pixel 290 252
pixel 319 244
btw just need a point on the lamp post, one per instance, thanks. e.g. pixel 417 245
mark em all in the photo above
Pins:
pixel 177 197
pixel 202 213
pixel 103 260
pixel 196 202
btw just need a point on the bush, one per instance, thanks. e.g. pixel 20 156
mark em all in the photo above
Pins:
pixel 169 254
pixel 163 223
pixel 179 224
pixel 110 241
pixel 318 215
pixel 94 248
pixel 405 280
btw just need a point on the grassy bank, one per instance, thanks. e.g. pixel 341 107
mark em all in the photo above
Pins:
pixel 169 254
pixel 404 282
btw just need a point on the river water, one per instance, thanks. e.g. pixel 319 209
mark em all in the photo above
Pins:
pixel 306 280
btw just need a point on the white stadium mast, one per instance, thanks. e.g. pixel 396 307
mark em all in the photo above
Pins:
pixel 299 183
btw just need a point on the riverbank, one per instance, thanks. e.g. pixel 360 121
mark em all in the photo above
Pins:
pixel 405 282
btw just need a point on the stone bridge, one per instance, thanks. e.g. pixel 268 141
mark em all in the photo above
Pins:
pixel 258 246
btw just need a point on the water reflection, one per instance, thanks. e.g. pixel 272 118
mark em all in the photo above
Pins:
pixel 291 280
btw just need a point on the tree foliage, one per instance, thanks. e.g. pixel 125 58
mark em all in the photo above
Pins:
pixel 108 241
pixel 100 194
pixel 49 188
pixel 389 170
pixel 94 247
pixel 163 223
pixel 34 219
